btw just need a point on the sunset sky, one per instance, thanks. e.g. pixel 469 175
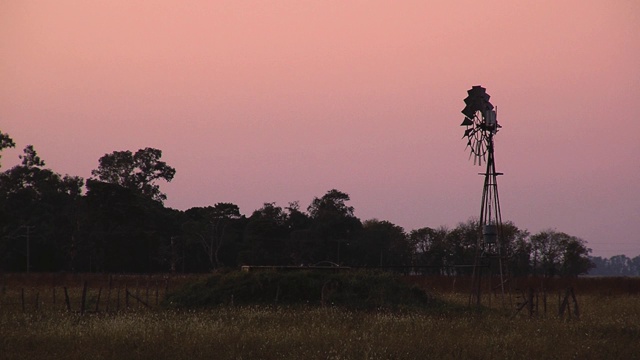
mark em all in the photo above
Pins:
pixel 278 101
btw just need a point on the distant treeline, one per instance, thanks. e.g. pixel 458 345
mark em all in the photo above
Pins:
pixel 619 265
pixel 116 222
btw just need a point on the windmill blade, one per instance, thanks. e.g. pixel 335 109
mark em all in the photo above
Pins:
pixel 466 121
pixel 476 90
pixel 469 111
pixel 468 132
pixel 478 100
pixel 488 106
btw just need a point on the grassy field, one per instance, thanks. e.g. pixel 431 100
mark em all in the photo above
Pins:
pixel 608 328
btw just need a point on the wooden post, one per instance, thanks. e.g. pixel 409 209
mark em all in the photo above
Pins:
pixel 147 291
pixel 576 310
pixel 530 302
pixel 559 302
pixel 109 294
pixel 137 292
pixel 139 300
pixel 98 300
pixel 84 298
pixel 566 306
pixel 544 301
pixel 66 299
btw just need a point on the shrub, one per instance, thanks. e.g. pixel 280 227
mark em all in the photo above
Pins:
pixel 356 290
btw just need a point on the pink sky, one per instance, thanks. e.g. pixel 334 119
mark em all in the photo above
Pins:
pixel 277 101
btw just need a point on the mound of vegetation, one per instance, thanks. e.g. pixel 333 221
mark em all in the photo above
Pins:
pixel 355 290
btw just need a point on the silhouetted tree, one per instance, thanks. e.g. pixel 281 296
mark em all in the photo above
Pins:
pixel 461 244
pixel 123 231
pixel 37 213
pixel 382 243
pixel 137 171
pixel 556 253
pixel 431 250
pixel 333 225
pixel 516 249
pixel 214 228
pixel 299 225
pixel 6 142
pixel 265 237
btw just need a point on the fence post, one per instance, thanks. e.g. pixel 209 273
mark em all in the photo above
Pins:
pixel 544 301
pixel 576 309
pixel 84 298
pixel 98 300
pixel 109 294
pixel 146 295
pixel 530 301
pixel 66 299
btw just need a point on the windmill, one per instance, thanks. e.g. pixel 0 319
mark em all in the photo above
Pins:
pixel 480 120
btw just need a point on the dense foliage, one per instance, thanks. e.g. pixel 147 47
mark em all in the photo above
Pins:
pixel 117 222
pixel 353 290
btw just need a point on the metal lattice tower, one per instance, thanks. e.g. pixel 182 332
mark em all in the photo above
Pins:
pixel 489 263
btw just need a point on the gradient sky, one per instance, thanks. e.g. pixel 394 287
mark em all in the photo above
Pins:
pixel 278 101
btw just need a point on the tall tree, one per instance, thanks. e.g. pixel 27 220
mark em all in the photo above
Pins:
pixel 38 214
pixel 299 225
pixel 333 203
pixel 212 228
pixel 265 237
pixel 31 158
pixel 333 225
pixel 382 243
pixel 430 249
pixel 516 248
pixel 138 171
pixel 123 230
pixel 557 253
pixel 461 243
pixel 6 141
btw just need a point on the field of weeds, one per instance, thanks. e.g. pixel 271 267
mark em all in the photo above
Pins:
pixel 608 328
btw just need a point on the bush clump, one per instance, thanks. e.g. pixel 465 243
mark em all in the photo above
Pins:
pixel 355 290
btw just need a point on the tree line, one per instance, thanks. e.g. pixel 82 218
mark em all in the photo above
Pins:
pixel 116 221
pixel 618 265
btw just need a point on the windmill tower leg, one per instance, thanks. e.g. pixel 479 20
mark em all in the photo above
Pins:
pixel 489 259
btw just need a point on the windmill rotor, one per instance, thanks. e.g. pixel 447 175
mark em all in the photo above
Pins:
pixel 481 123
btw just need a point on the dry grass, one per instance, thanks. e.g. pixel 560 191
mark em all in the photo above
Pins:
pixel 608 328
